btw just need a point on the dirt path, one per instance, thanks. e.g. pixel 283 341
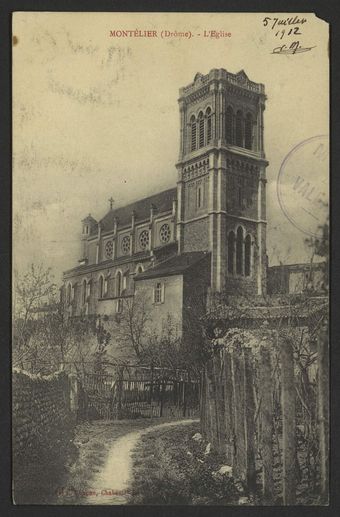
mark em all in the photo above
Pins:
pixel 111 484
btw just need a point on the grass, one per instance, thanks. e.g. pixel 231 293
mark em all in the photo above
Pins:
pixel 93 441
pixel 169 467
pixel 61 474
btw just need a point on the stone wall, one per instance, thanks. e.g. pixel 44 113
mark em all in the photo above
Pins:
pixel 42 426
pixel 196 235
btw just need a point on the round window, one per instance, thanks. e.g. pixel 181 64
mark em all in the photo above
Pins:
pixel 109 249
pixel 125 245
pixel 165 233
pixel 144 239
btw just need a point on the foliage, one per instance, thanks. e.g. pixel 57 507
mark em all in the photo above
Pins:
pixel 171 468
pixel 165 345
pixel 100 353
pixel 133 322
pixel 42 340
pixel 34 483
pixel 320 246
pixel 34 290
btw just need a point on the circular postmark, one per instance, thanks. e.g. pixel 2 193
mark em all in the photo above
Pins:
pixel 302 185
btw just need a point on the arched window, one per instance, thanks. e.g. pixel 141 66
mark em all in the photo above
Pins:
pixel 68 293
pixel 84 291
pixel 199 196
pixel 119 288
pixel 229 125
pixel 248 132
pixel 239 251
pixel 239 129
pixel 231 252
pixel 118 283
pixel 247 252
pixel 209 125
pixel 158 293
pixel 193 132
pixel 101 286
pixel 126 280
pixel 200 130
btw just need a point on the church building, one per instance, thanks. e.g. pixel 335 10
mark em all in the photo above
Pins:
pixel 205 235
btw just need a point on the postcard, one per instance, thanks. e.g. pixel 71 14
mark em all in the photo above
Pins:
pixel 170 259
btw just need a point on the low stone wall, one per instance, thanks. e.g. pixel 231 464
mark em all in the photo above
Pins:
pixel 42 425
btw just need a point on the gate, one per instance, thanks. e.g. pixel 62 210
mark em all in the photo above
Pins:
pixel 137 392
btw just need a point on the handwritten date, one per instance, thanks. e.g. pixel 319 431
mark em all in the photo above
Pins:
pixel 275 22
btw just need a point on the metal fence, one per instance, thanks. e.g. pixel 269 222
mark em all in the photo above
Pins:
pixel 135 392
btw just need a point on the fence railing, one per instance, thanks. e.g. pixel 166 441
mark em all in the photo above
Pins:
pixel 134 392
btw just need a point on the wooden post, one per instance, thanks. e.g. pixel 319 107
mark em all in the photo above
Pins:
pixel 323 408
pixel 249 419
pixel 266 412
pixel 184 399
pixel 228 409
pixel 288 423
pixel 211 406
pixel 219 407
pixel 202 402
pixel 161 397
pixel 119 405
pixel 151 386
pixel 238 408
pixel 205 403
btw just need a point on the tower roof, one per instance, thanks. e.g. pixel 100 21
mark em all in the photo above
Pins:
pixel 240 80
pixel 89 219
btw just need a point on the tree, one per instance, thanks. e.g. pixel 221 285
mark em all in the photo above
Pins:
pixel 100 353
pixel 320 246
pixel 33 291
pixel 132 329
pixel 175 344
pixel 42 341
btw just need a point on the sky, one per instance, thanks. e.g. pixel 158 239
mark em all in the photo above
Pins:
pixel 96 116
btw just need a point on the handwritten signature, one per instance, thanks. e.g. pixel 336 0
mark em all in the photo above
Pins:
pixel 293 48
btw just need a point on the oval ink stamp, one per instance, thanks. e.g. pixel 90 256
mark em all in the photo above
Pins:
pixel 302 185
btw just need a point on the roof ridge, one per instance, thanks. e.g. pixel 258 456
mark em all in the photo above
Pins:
pixel 161 200
pixel 169 266
pixel 139 200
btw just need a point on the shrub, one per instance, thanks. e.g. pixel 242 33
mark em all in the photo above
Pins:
pixel 176 471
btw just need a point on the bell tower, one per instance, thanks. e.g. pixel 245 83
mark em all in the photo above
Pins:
pixel 222 178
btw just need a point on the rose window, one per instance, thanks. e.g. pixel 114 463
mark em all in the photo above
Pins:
pixel 125 245
pixel 165 233
pixel 144 239
pixel 109 249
